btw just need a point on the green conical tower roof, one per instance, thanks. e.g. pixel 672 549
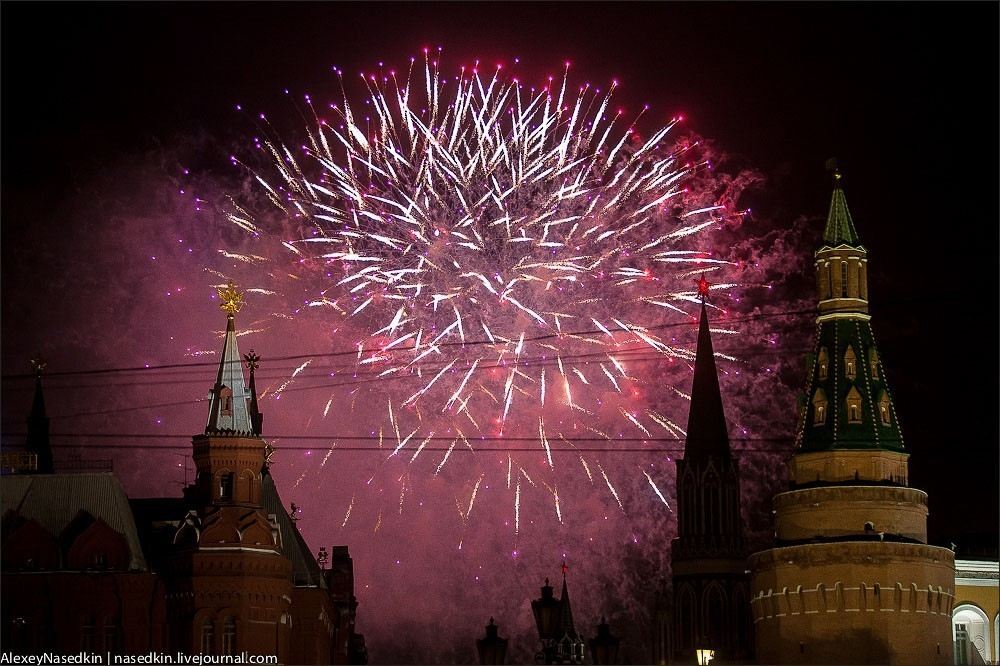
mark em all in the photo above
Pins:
pixel 848 402
pixel 849 405
pixel 839 225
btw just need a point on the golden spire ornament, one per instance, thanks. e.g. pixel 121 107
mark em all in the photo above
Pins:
pixel 230 298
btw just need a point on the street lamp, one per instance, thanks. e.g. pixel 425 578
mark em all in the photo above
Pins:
pixel 492 649
pixel 705 656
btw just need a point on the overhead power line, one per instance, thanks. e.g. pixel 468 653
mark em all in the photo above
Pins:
pixel 454 343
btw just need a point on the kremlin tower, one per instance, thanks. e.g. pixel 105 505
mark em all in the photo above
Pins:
pixel 708 557
pixel 851 578
pixel 227 537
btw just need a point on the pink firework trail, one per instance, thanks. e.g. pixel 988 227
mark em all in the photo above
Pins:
pixel 504 256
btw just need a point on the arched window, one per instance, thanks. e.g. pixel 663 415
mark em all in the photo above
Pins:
pixel 207 637
pixel 971 634
pixel 850 363
pixel 111 635
pixel 87 633
pixel 685 627
pixel 862 282
pixel 714 619
pixel 829 280
pixel 843 279
pixel 883 409
pixel 226 401
pixel 819 407
pixel 824 364
pixel 853 406
pixel 229 636
pixel 873 362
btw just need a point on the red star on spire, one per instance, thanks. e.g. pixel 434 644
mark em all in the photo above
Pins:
pixel 703 285
pixel 564 568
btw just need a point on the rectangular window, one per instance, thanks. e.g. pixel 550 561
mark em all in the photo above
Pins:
pixel 843 279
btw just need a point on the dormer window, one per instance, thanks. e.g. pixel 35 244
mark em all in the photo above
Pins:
pixel 883 409
pixel 850 363
pixel 843 279
pixel 819 407
pixel 226 401
pixel 824 364
pixel 853 406
pixel 873 362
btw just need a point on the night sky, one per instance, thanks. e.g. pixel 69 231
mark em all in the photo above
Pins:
pixel 110 111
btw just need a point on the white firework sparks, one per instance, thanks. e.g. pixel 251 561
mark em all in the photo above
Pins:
pixel 477 234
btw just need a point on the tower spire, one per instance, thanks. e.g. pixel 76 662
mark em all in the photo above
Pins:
pixel 229 411
pixel 839 225
pixel 37 441
pixel 256 418
pixel 706 431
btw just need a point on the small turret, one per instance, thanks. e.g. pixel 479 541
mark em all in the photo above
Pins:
pixel 841 262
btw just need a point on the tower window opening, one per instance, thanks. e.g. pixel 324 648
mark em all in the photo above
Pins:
pixel 829 280
pixel 226 486
pixel 883 409
pixel 850 363
pixel 87 634
pixel 819 407
pixel 226 401
pixel 853 406
pixel 862 292
pixel 207 637
pixel 229 636
pixel 843 279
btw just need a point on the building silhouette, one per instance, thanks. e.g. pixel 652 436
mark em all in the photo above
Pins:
pixel 222 570
pixel 708 557
pixel 851 578
pixel 561 644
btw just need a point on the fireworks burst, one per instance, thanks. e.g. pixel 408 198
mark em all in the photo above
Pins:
pixel 504 253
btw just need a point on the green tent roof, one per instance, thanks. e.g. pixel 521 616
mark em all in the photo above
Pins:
pixel 834 378
pixel 839 226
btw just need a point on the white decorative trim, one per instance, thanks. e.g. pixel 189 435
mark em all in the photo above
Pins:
pixel 842 315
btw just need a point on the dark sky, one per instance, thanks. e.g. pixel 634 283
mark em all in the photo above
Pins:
pixel 904 95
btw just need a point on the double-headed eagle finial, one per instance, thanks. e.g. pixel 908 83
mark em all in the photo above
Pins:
pixel 230 298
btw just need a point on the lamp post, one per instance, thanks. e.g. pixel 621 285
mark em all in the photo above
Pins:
pixel 604 647
pixel 492 649
pixel 546 611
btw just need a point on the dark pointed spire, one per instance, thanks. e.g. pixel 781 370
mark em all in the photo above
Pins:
pixel 566 627
pixel 839 225
pixel 256 418
pixel 37 441
pixel 706 431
